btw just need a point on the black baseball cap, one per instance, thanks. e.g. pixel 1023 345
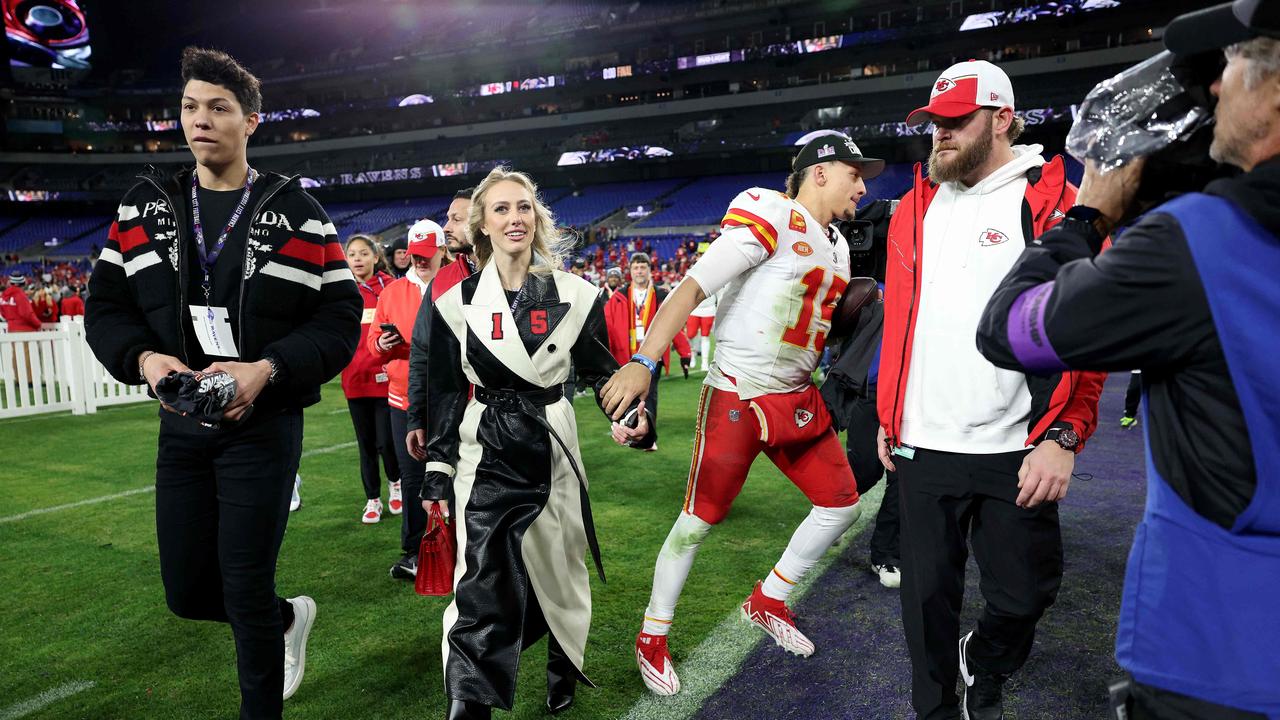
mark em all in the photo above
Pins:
pixel 836 147
pixel 1222 25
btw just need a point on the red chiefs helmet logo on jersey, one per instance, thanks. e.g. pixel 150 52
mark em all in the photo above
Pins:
pixel 990 237
pixel 803 417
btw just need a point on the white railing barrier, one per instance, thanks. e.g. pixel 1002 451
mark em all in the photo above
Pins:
pixel 53 369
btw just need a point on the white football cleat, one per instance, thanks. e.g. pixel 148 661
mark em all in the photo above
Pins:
pixel 775 618
pixel 295 502
pixel 656 669
pixel 372 512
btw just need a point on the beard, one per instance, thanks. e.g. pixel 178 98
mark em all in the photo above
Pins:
pixel 459 247
pixel 1232 140
pixel 966 160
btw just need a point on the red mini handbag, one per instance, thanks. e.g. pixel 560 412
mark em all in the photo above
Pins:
pixel 436 556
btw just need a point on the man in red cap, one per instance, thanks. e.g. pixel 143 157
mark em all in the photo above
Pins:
pixel 398 305
pixel 956 428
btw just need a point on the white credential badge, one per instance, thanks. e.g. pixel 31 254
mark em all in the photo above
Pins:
pixel 213 330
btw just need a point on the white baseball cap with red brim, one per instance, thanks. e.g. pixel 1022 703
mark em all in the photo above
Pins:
pixel 963 88
pixel 426 237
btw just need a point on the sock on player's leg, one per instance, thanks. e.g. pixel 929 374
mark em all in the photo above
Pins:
pixel 672 569
pixel 816 533
pixel 705 351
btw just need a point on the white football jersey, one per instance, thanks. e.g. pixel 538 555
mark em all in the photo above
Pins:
pixel 772 320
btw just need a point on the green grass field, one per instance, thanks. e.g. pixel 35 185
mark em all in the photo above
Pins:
pixel 83 602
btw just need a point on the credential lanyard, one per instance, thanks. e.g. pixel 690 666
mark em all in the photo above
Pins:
pixel 209 257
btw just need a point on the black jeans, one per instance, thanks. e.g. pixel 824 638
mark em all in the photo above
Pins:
pixel 860 447
pixel 222 503
pixel 413 523
pixel 946 498
pixel 373 437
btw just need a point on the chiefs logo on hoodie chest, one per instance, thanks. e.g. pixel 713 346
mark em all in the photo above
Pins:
pixel 990 237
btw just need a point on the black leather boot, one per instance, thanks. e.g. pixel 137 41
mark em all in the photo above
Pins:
pixel 562 677
pixel 466 710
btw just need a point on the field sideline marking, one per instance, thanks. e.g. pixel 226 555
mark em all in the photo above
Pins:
pixel 138 491
pixel 718 657
pixel 44 699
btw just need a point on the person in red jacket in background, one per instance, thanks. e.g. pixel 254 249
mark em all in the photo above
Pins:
pixel 628 314
pixel 398 306
pixel 956 428
pixel 16 308
pixel 364 382
pixel 45 306
pixel 73 304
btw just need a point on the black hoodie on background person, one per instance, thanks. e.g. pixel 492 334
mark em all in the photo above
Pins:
pixel 1142 305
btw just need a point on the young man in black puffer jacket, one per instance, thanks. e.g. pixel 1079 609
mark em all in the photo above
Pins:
pixel 225 268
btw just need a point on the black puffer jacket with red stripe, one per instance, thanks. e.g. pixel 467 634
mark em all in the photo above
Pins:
pixel 298 300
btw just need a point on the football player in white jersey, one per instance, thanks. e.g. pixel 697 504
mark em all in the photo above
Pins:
pixel 781 266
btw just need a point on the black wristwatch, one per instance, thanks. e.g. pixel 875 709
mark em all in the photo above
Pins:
pixel 274 377
pixel 1098 226
pixel 1065 436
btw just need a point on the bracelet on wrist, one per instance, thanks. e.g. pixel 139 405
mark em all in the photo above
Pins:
pixel 650 365
pixel 142 362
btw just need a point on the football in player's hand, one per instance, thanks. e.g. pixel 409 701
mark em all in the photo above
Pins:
pixel 862 291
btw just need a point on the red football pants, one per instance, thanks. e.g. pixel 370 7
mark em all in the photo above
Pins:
pixel 696 326
pixel 726 441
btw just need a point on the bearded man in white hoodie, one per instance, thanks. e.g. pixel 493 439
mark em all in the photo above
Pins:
pixel 983 455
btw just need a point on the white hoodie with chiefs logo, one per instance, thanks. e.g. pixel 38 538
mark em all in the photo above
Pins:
pixel 956 401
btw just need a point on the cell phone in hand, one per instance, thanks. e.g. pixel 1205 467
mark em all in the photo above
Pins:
pixel 390 327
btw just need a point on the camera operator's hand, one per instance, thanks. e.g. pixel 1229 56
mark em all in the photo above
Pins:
pixel 1111 193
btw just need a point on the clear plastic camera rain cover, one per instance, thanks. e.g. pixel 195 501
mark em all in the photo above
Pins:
pixel 1134 114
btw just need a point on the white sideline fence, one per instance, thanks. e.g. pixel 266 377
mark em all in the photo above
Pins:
pixel 53 370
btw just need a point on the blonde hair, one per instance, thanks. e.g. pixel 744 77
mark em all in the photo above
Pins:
pixel 550 244
pixel 1016 127
pixel 379 257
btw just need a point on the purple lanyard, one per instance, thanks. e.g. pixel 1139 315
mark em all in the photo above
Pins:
pixel 209 257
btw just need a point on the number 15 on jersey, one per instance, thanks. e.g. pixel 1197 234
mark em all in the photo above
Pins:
pixel 801 333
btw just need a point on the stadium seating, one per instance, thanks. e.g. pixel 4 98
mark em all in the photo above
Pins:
pixel 703 201
pixel 34 232
pixel 594 202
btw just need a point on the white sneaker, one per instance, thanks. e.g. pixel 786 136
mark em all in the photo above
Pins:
pixel 890 575
pixel 296 501
pixel 396 502
pixel 372 512
pixel 295 643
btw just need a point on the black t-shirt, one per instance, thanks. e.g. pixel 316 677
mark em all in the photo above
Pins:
pixel 216 207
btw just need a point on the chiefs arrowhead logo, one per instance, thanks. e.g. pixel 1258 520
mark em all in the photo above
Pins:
pixel 753 196
pixel 943 85
pixel 803 417
pixel 990 237
pixel 797 223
